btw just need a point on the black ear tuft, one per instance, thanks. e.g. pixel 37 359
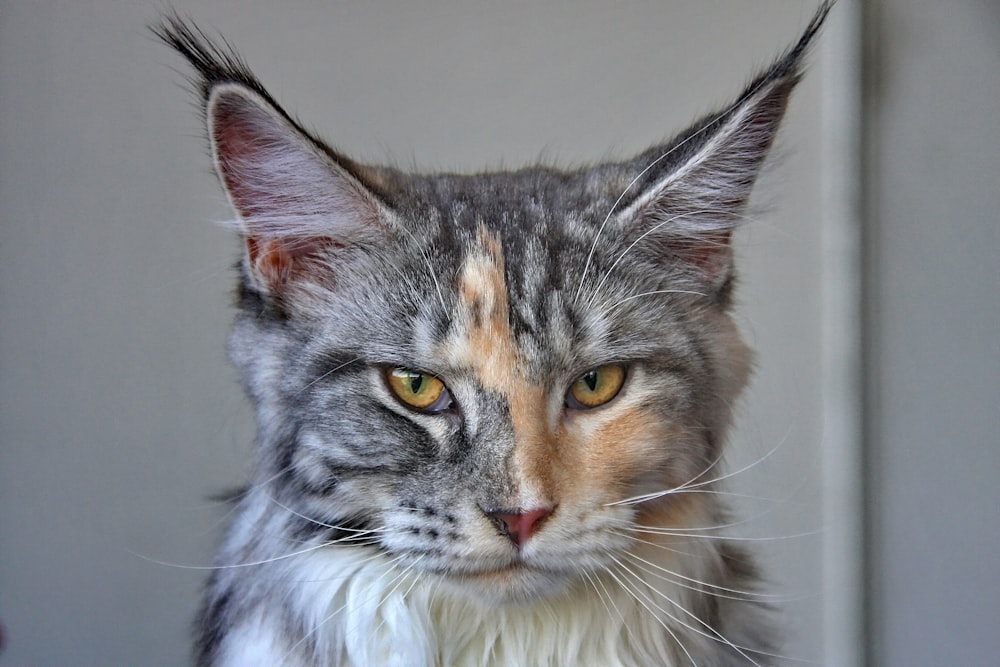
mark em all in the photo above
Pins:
pixel 214 59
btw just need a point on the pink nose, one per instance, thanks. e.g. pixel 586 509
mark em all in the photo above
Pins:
pixel 520 526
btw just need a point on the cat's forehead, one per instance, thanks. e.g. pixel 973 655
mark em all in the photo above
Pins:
pixel 480 336
pixel 539 224
pixel 516 256
pixel 511 311
pixel 502 199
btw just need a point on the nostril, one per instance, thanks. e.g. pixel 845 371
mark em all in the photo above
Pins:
pixel 519 526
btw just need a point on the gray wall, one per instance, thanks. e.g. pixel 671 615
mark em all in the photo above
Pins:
pixel 119 415
pixel 933 102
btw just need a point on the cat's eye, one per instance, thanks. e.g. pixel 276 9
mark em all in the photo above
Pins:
pixel 420 391
pixel 596 387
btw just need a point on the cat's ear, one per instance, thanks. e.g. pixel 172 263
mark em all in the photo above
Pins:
pixel 295 202
pixel 692 193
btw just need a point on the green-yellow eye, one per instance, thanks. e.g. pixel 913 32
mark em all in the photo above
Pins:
pixel 596 387
pixel 418 390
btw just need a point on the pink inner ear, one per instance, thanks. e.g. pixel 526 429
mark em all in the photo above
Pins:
pixel 295 202
pixel 245 150
pixel 710 254
pixel 278 261
pixel 270 260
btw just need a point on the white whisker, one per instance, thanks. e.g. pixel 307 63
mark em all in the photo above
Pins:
pixel 254 563
pixel 329 373
pixel 700 586
pixel 693 529
pixel 398 581
pixel 360 531
pixel 715 634
pixel 429 264
pixel 652 293
pixel 635 596
pixel 690 485
pixel 691 533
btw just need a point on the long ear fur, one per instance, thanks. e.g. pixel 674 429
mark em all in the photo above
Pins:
pixel 692 192
pixel 296 198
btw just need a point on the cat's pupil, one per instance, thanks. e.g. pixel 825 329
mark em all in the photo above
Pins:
pixel 591 380
pixel 416 381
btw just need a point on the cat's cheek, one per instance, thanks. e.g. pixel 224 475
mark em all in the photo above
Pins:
pixel 606 458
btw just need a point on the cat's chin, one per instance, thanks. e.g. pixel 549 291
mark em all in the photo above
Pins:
pixel 514 584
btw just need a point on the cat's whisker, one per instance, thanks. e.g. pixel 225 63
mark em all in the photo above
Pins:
pixel 703 242
pixel 715 634
pixel 693 534
pixel 620 302
pixel 396 583
pixel 604 598
pixel 659 494
pixel 329 373
pixel 265 561
pixel 670 547
pixel 692 484
pixel 412 570
pixel 355 537
pixel 678 579
pixel 230 566
pixel 695 529
pixel 610 598
pixel 706 588
pixel 733 494
pixel 766 598
pixel 749 466
pixel 607 218
pixel 636 596
pixel 346 529
pixel 375 555
pixel 430 267
pixel 359 539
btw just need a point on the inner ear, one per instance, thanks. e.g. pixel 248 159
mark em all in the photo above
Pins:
pixel 280 261
pixel 710 255
pixel 293 198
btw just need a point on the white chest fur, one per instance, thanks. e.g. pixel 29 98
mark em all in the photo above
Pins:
pixel 352 608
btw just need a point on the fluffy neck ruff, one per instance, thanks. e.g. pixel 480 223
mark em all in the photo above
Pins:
pixel 353 607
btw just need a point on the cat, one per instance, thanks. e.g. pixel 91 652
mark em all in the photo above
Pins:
pixel 491 407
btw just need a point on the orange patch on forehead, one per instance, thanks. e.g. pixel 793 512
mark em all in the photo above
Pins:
pixel 484 342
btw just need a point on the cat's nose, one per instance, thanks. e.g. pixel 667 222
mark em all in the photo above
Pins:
pixel 518 525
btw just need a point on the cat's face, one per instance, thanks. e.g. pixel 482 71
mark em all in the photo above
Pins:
pixel 467 367
pixel 503 378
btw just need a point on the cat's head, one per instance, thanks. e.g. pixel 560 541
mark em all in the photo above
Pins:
pixel 501 378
